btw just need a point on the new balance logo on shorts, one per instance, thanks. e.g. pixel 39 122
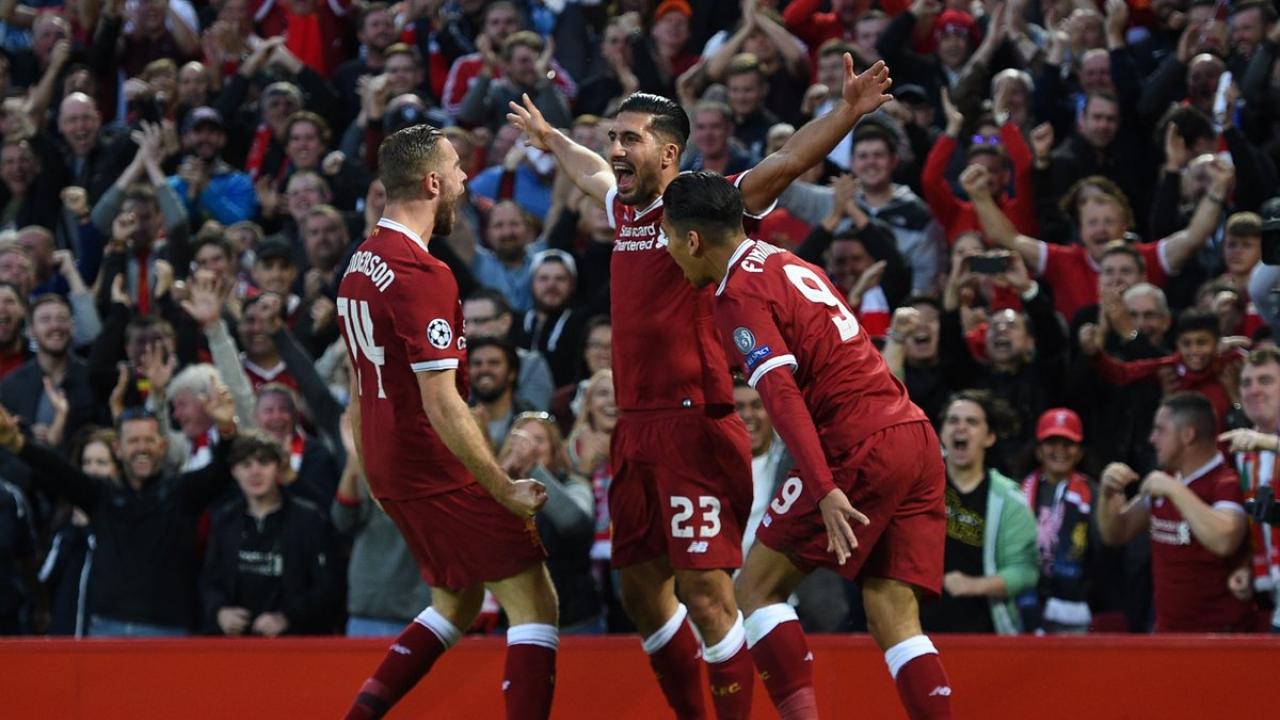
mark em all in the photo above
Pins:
pixel 942 690
pixel 697 546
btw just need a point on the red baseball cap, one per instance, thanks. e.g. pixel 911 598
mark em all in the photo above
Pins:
pixel 958 22
pixel 1059 422
pixel 666 6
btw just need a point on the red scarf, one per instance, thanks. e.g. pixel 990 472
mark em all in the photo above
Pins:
pixel 258 151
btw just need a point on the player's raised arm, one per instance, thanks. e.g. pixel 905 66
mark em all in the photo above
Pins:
pixel 590 172
pixel 810 144
pixel 451 419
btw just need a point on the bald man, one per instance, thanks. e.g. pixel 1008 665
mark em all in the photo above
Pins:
pixel 94 158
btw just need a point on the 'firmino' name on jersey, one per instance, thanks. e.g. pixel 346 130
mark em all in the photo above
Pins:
pixel 369 264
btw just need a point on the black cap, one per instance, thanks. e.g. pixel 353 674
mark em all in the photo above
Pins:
pixel 203 115
pixel 274 247
pixel 912 95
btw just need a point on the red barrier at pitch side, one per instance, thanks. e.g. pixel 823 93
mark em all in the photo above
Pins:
pixel 1087 678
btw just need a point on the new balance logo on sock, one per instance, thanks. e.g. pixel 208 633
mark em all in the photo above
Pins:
pixel 808 657
pixel 697 546
pixel 400 649
pixel 506 684
pixel 942 690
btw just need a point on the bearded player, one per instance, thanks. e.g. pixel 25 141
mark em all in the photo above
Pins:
pixel 681 490
pixel 426 461
pixel 857 439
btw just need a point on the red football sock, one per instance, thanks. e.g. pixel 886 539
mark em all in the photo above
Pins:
pixel 410 657
pixel 922 683
pixel 786 665
pixel 732 674
pixel 530 680
pixel 673 655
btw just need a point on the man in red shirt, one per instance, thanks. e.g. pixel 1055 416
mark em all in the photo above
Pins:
pixel 1072 270
pixel 426 460
pixel 682 488
pixel 1195 517
pixel 851 428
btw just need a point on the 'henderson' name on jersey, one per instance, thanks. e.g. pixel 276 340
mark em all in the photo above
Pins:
pixel 369 264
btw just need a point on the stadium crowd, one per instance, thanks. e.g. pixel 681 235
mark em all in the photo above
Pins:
pixel 1055 232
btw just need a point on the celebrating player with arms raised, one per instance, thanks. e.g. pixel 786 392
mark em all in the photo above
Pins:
pixel 682 487
pixel 426 461
pixel 855 435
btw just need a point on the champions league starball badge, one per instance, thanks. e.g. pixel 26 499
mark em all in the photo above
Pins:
pixel 744 340
pixel 439 334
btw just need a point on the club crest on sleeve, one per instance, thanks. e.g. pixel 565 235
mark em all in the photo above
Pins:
pixel 744 340
pixel 439 333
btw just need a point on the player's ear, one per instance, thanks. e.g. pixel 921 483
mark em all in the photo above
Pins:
pixel 431 181
pixel 671 154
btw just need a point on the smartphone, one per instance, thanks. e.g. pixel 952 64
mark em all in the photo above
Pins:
pixel 989 264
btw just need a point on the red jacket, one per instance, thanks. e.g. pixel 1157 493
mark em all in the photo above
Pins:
pixel 1205 382
pixel 958 216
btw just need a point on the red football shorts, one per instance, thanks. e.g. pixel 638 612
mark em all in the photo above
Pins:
pixel 681 488
pixel 896 478
pixel 463 537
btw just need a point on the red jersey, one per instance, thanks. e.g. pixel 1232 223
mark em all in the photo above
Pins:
pixel 259 376
pixel 399 313
pixel 1191 592
pixel 1073 275
pixel 775 310
pixel 666 353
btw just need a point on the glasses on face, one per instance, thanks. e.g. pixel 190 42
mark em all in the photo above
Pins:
pixel 135 413
pixel 991 140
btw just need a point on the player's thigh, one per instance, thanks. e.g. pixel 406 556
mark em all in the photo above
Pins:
pixel 459 607
pixel 912 546
pixel 527 596
pixel 704 489
pixel 767 577
pixel 893 610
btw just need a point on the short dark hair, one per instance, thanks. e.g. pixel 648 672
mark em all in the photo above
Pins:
pixel 146 322
pixel 522 38
pixel 405 157
pixel 1001 419
pixel 217 239
pixel 49 299
pixel 23 300
pixel 1193 125
pixel 871 131
pixel 1194 410
pixel 705 201
pixel 1120 247
pixel 1193 319
pixel 256 445
pixel 1268 10
pixel 667 118
pixel 1070 203
pixel 321 125
pixel 1244 224
pixel 513 358
pixel 929 300
pixel 500 304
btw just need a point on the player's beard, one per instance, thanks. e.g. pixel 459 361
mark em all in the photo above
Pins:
pixel 444 214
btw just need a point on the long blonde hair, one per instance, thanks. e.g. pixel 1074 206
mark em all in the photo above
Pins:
pixel 559 464
pixel 583 421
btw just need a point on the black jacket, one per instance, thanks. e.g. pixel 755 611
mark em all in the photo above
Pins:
pixel 22 389
pixel 309 589
pixel 145 565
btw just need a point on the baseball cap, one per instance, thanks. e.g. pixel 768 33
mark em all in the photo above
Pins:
pixel 911 94
pixel 274 247
pixel 203 115
pixel 958 22
pixel 666 6
pixel 554 255
pixel 1059 422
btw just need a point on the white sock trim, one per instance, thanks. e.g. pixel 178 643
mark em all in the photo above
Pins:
pixel 440 626
pixel 659 640
pixel 547 636
pixel 729 645
pixel 764 620
pixel 906 651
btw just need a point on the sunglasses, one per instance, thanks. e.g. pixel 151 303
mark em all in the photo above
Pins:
pixel 991 140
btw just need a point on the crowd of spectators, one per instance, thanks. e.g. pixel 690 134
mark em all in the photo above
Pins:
pixel 1055 232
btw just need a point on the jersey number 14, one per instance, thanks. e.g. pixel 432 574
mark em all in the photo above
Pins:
pixel 358 325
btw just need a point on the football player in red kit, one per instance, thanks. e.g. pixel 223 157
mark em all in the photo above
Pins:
pixel 681 490
pixel 426 460
pixel 857 439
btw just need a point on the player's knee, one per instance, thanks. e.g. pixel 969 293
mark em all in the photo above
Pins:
pixel 708 596
pixel 749 595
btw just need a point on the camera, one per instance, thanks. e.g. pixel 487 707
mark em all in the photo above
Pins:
pixel 989 263
pixel 1262 508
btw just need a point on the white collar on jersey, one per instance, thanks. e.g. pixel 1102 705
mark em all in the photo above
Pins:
pixel 1203 470
pixel 733 260
pixel 657 203
pixel 393 225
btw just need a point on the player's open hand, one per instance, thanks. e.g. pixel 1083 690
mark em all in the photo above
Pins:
pixel 836 513
pixel 526 116
pixel 865 93
pixel 524 498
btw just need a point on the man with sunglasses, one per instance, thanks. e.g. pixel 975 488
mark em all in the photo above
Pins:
pixel 427 461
